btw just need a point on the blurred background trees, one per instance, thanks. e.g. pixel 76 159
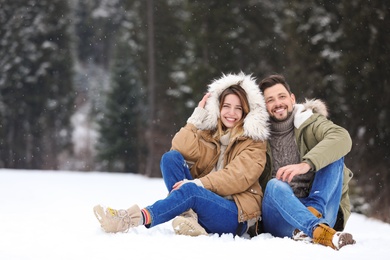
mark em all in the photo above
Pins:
pixel 36 90
pixel 104 85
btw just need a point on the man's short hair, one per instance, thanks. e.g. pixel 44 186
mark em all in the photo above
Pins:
pixel 273 80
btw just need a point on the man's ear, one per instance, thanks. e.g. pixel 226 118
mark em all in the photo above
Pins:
pixel 293 98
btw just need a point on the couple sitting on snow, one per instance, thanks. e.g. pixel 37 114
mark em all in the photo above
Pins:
pixel 243 139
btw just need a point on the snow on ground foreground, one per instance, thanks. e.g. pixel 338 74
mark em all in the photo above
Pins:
pixel 48 215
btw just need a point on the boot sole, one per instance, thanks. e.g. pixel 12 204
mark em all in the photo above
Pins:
pixel 183 226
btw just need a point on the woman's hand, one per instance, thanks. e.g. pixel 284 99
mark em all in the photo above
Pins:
pixel 178 184
pixel 202 103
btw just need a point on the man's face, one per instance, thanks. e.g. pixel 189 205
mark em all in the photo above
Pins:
pixel 279 102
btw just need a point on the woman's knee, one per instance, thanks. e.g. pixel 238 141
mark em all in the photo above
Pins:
pixel 190 193
pixel 190 189
pixel 170 156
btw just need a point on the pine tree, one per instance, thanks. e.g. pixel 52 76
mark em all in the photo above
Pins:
pixel 312 35
pixel 120 145
pixel 365 67
pixel 229 37
pixel 35 82
pixel 122 119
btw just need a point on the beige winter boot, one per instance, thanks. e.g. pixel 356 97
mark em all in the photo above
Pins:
pixel 187 224
pixel 327 236
pixel 121 220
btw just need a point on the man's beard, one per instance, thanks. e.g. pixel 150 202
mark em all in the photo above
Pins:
pixel 289 113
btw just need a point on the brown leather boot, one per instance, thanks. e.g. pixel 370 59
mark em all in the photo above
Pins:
pixel 299 235
pixel 314 212
pixel 327 236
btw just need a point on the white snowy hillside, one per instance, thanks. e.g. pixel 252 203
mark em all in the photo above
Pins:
pixel 48 215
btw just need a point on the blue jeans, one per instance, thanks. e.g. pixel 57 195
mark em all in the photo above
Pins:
pixel 283 212
pixel 215 213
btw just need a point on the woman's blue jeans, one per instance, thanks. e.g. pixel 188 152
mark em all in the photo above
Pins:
pixel 215 213
pixel 283 212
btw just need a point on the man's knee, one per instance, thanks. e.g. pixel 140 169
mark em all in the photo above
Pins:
pixel 275 185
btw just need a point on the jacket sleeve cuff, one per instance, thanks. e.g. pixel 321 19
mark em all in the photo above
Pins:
pixel 198 182
pixel 312 167
pixel 195 181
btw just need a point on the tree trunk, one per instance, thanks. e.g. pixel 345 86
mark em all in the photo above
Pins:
pixel 151 91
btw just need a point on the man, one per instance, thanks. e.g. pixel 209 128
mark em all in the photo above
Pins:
pixel 306 197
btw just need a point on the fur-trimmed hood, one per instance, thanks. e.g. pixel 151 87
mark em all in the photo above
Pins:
pixel 317 106
pixel 256 122
pixel 305 110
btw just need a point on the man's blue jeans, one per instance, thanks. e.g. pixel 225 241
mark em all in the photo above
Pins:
pixel 283 212
pixel 215 213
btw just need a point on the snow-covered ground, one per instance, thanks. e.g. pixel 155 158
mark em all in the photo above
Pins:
pixel 48 215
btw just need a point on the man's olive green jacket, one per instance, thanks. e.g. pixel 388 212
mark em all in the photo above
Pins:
pixel 320 142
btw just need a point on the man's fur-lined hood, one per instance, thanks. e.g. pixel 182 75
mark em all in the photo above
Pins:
pixel 256 122
pixel 317 106
pixel 305 110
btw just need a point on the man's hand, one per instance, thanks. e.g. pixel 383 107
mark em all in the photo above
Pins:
pixel 288 172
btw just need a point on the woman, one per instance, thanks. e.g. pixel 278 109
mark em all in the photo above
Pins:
pixel 213 167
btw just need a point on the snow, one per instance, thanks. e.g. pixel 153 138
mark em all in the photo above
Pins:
pixel 48 215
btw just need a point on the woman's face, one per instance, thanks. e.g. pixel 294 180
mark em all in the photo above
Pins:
pixel 231 111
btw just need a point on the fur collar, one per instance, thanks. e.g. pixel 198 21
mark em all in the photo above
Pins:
pixel 256 122
pixel 305 110
pixel 317 105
